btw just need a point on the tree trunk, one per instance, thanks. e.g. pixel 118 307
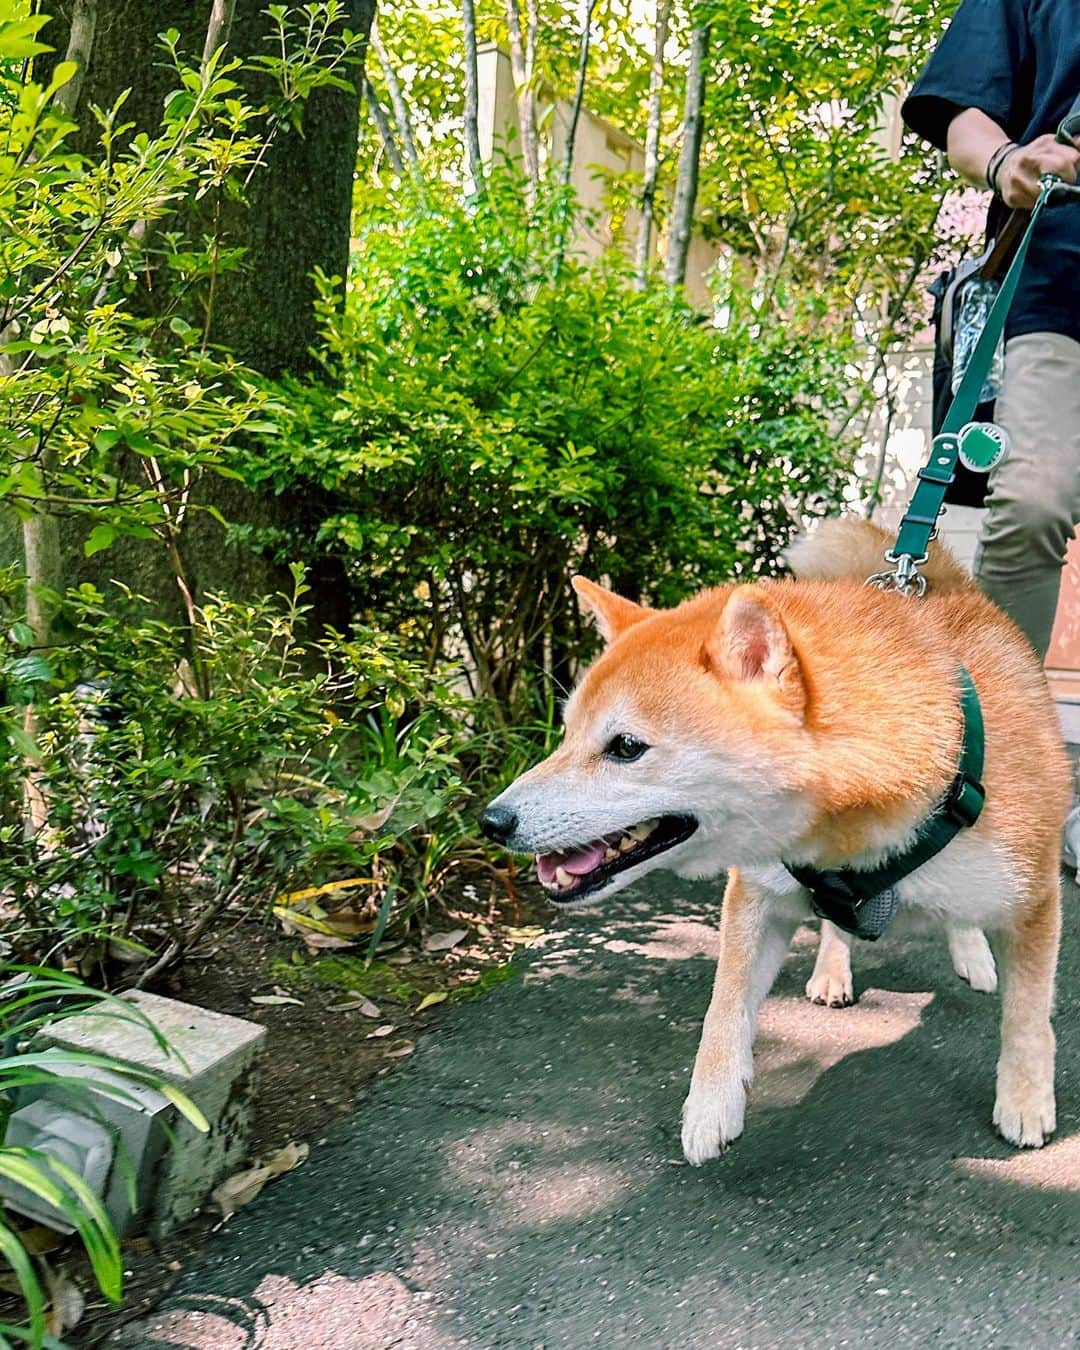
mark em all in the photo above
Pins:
pixel 42 555
pixel 472 97
pixel 522 63
pixel 682 211
pixel 652 144
pixel 296 220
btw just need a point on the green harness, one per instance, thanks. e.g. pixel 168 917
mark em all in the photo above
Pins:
pixel 863 902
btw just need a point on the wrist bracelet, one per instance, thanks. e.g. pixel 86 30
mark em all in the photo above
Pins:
pixel 997 159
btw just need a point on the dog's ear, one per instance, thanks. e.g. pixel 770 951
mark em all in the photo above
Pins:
pixel 612 613
pixel 752 644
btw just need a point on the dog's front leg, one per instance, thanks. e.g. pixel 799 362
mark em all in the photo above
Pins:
pixel 756 927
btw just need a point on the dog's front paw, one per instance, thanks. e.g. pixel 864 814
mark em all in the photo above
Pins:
pixel 833 988
pixel 972 958
pixel 713 1116
pixel 1024 1111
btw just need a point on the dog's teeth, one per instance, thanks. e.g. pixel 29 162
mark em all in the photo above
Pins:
pixel 563 877
pixel 610 853
pixel 626 844
pixel 642 831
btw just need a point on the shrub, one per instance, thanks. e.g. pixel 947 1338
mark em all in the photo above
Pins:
pixel 173 788
pixel 496 419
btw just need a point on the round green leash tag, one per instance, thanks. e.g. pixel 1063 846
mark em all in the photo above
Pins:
pixel 983 445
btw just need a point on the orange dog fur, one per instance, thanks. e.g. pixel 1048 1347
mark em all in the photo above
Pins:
pixel 816 721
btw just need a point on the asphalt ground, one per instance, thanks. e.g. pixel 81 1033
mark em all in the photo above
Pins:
pixel 519 1182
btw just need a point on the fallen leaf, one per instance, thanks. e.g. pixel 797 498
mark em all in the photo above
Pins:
pixel 442 942
pixel 376 820
pixel 323 942
pixel 429 1000
pixel 316 932
pixel 379 1031
pixel 524 934
pixel 272 999
pixel 405 1048
pixel 243 1187
pixel 330 888
pixel 364 1006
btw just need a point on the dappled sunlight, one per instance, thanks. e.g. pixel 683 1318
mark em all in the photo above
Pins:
pixel 675 937
pixel 1055 1167
pixel 328 1313
pixel 667 937
pixel 501 1163
pixel 798 1041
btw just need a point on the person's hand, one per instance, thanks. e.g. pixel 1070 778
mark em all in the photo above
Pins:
pixel 1019 174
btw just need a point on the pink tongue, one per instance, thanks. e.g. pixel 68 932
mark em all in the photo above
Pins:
pixel 577 863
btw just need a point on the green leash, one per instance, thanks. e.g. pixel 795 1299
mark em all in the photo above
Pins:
pixel 919 522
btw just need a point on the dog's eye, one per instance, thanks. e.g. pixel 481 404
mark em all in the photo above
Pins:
pixel 624 748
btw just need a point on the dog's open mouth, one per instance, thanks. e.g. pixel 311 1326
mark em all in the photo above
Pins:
pixel 578 872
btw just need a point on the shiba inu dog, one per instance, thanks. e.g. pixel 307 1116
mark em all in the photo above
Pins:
pixel 812 722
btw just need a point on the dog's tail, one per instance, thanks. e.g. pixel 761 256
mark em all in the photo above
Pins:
pixel 851 549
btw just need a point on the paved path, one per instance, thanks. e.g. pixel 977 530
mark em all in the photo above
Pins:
pixel 519 1182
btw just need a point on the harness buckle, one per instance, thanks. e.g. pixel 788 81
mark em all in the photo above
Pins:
pixel 964 802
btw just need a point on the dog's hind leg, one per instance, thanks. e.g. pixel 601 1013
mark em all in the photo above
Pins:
pixel 972 958
pixel 831 982
pixel 756 928
pixel 1024 1107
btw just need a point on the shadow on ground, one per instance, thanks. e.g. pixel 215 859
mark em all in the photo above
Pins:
pixel 520 1184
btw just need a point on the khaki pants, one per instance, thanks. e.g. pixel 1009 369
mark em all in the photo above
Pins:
pixel 1034 502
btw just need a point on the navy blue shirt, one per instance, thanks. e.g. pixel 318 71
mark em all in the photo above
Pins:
pixel 1018 61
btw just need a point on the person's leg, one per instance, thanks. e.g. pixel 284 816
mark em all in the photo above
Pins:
pixel 1034 500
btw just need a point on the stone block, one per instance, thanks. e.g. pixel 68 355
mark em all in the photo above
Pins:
pixel 211 1059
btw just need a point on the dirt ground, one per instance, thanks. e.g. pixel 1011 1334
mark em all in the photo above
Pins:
pixel 339 1031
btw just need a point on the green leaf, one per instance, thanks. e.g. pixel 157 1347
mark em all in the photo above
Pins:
pixel 17 1258
pixel 185 1106
pixel 99 538
pixel 107 437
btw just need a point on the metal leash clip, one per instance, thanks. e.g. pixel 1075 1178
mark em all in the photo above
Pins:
pixel 905 578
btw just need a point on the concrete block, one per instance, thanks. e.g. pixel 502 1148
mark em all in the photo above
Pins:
pixel 211 1059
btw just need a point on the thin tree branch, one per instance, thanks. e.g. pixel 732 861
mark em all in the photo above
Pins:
pixel 522 63
pixel 682 214
pixel 397 101
pixel 217 29
pixel 579 89
pixel 80 45
pixel 652 144
pixel 382 125
pixel 472 97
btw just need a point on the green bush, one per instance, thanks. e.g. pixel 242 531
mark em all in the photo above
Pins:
pixel 496 419
pixel 174 788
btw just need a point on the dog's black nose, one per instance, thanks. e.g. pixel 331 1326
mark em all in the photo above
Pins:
pixel 498 823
